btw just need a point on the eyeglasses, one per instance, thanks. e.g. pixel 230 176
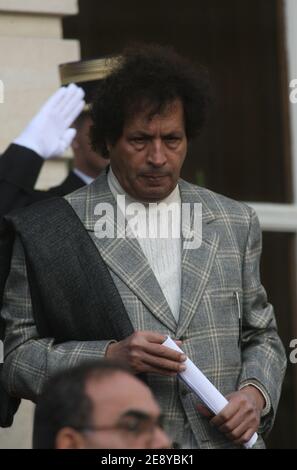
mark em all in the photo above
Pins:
pixel 136 424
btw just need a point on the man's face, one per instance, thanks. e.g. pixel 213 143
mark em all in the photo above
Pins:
pixel 125 415
pixel 148 157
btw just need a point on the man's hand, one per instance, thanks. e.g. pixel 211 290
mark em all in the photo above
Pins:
pixel 49 133
pixel 240 419
pixel 143 351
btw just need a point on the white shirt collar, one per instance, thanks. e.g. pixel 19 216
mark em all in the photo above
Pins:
pixel 85 178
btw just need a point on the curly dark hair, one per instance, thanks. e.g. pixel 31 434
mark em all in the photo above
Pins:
pixel 148 77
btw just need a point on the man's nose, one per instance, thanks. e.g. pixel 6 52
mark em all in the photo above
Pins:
pixel 161 440
pixel 156 155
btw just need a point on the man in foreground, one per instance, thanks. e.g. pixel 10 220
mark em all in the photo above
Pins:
pixel 98 406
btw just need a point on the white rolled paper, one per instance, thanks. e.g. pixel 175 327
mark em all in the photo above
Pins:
pixel 203 388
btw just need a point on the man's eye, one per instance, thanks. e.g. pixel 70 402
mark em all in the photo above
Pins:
pixel 172 140
pixel 138 140
pixel 132 426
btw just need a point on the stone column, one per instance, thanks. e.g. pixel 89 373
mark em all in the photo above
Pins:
pixel 31 47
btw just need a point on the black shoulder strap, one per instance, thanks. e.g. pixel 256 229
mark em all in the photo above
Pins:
pixel 84 303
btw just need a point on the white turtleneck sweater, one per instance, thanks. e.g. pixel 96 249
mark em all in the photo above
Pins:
pixel 163 254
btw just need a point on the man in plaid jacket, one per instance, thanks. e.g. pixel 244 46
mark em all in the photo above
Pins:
pixel 208 297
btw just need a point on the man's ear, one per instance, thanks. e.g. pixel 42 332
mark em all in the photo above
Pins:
pixel 69 438
pixel 75 143
pixel 109 147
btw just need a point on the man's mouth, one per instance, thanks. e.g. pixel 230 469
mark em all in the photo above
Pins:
pixel 156 179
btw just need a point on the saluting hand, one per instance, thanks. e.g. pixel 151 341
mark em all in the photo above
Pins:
pixel 49 132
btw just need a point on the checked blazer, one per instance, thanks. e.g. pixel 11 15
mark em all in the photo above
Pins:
pixel 219 278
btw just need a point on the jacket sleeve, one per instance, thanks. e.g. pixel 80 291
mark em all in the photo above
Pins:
pixel 263 355
pixel 20 166
pixel 19 170
pixel 29 361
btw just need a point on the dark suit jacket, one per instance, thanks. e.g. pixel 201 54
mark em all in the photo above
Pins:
pixel 19 170
pixel 70 184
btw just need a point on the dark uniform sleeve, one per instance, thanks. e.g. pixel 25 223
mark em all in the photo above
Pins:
pixel 19 170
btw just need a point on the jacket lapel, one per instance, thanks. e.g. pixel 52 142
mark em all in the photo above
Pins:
pixel 124 256
pixel 197 263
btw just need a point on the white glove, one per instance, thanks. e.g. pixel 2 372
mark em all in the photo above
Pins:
pixel 48 134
